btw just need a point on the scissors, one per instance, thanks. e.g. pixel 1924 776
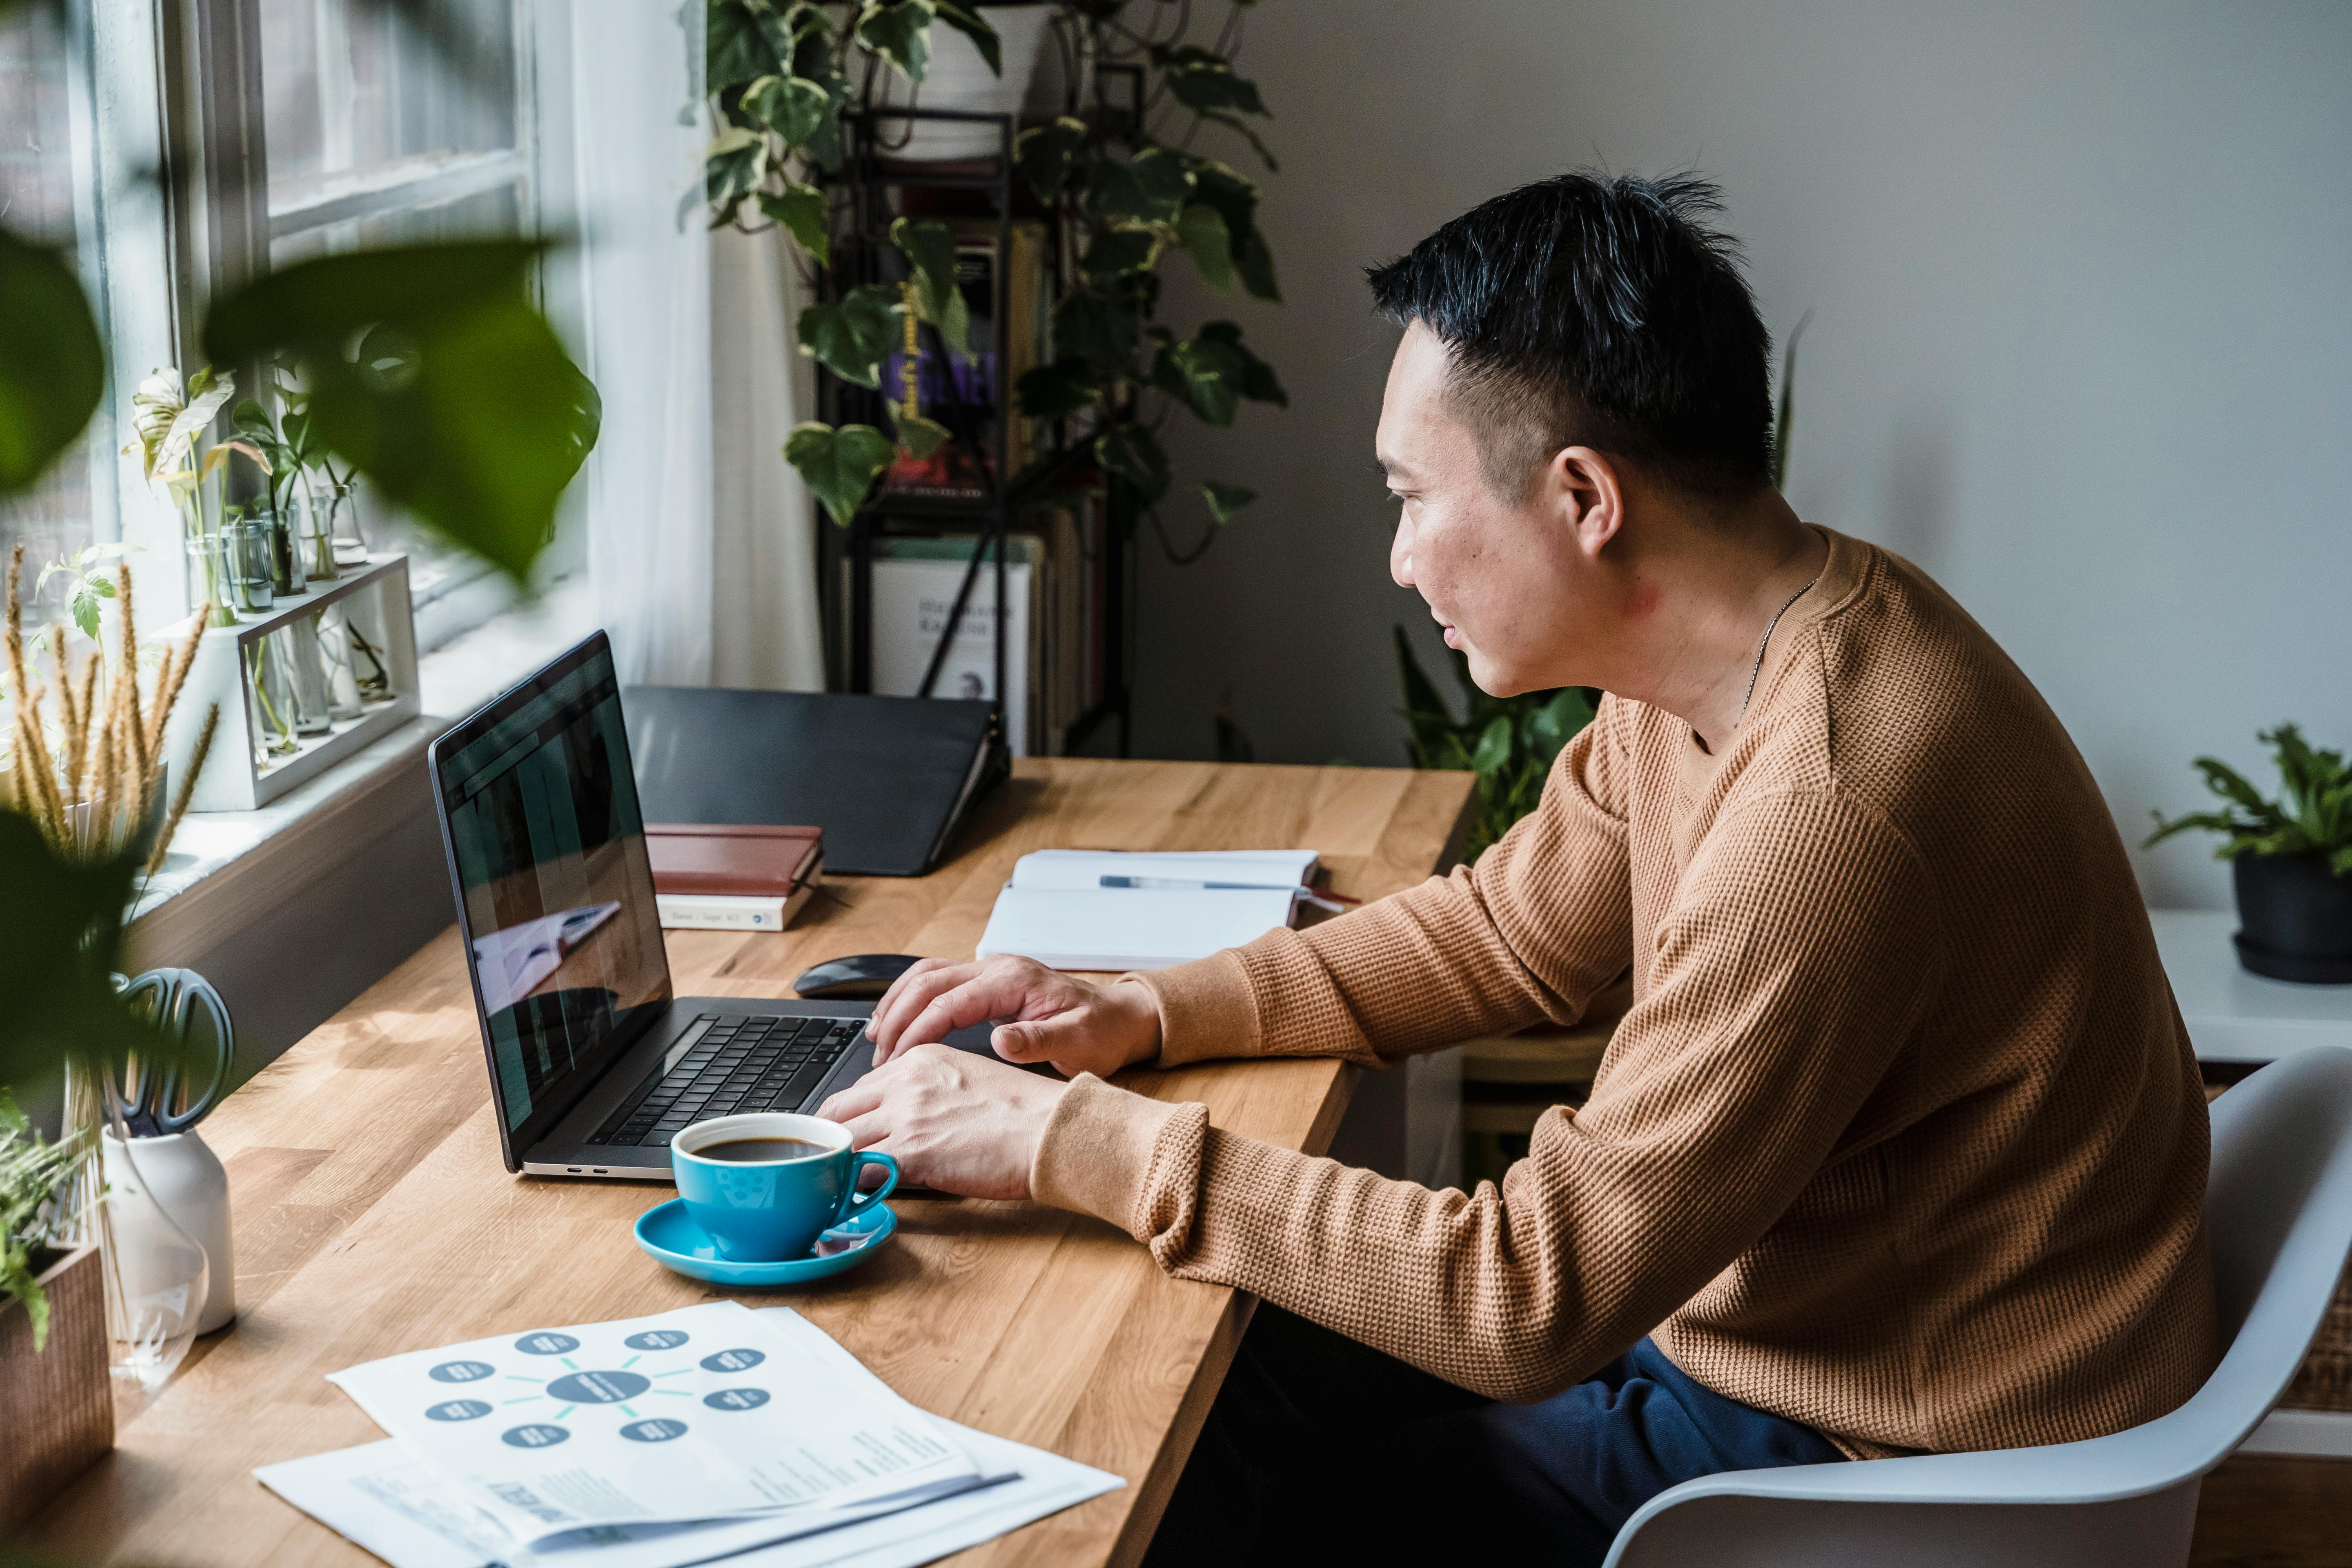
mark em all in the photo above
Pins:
pixel 170 998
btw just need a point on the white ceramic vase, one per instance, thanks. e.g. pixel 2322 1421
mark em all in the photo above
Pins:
pixel 185 1179
pixel 958 78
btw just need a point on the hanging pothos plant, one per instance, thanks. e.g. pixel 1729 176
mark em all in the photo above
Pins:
pixel 1130 185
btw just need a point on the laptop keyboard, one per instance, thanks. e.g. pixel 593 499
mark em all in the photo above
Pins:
pixel 739 1065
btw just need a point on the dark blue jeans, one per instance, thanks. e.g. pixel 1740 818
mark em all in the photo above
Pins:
pixel 1319 1449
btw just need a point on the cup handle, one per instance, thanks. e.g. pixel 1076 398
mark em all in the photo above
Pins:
pixel 858 1202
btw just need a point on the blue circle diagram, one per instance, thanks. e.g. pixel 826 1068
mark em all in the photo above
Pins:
pixel 538 1435
pixel 461 1371
pixel 733 1360
pixel 456 1410
pixel 598 1387
pixel 653 1431
pixel 736 1399
pixel 546 1345
pixel 656 1340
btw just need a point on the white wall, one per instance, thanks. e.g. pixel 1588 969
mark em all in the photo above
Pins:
pixel 2081 279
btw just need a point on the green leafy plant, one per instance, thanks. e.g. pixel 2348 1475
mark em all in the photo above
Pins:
pixel 89 583
pixel 33 1174
pixel 1508 742
pixel 1129 182
pixel 2312 817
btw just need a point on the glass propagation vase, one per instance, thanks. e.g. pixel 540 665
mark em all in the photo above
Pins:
pixel 211 577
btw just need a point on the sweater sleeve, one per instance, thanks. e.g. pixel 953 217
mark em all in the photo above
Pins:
pixel 1786 979
pixel 1538 925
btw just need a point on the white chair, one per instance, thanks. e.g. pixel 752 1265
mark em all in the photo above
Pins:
pixel 2278 1207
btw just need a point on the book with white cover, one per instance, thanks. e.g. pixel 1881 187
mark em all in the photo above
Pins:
pixel 1074 868
pixel 1111 910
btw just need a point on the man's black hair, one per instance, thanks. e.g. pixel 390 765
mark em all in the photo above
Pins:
pixel 1598 311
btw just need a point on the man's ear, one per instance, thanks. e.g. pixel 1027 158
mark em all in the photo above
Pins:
pixel 1579 486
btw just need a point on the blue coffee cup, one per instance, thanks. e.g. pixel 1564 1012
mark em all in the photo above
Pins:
pixel 772 1211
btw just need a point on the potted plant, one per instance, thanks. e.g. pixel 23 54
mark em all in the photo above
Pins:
pixel 53 1349
pixel 1119 165
pixel 2291 859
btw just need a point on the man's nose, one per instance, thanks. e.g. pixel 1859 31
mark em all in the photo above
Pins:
pixel 1400 556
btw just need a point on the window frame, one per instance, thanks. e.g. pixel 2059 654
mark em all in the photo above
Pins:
pixel 224 230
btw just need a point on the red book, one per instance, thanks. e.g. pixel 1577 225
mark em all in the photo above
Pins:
pixel 756 861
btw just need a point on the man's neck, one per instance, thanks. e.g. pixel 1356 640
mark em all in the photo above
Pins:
pixel 1710 589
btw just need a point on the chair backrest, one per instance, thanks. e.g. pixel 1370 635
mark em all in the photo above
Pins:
pixel 2278 1213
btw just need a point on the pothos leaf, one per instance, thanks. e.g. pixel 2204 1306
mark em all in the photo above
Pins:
pixel 1052 391
pixel 733 165
pixel 792 107
pixel 800 209
pixel 1045 155
pixel 838 466
pixel 1151 187
pixel 1130 452
pixel 743 42
pixel 975 26
pixel 1113 251
pixel 918 438
pixel 1254 262
pixel 1225 500
pixel 1258 382
pixel 852 336
pixel 929 249
pixel 1202 84
pixel 1206 374
pixel 1201 229
pixel 901 32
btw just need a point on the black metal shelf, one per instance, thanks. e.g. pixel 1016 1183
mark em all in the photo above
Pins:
pixel 868 176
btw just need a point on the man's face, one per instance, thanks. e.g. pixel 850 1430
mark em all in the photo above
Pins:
pixel 1503 576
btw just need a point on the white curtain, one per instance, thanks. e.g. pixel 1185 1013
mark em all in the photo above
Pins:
pixel 700 540
pixel 638 136
pixel 763 600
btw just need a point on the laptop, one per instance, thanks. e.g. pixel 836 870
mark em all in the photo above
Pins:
pixel 593 1064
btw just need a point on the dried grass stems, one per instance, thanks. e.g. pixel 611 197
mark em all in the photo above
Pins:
pixel 97 789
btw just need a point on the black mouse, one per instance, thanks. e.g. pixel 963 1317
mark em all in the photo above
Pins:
pixel 860 978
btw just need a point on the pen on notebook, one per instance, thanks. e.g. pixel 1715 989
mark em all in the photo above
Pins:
pixel 1164 884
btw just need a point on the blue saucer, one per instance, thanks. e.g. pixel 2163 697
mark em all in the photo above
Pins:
pixel 670 1237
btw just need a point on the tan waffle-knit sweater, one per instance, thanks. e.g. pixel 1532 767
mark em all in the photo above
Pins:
pixel 1902 1138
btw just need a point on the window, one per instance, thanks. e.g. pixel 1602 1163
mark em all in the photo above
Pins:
pixel 46 195
pixel 372 133
pixel 376 135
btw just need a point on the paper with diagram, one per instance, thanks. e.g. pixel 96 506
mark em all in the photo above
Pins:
pixel 701 1414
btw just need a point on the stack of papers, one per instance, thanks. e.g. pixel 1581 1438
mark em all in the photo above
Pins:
pixel 1084 908
pixel 712 1432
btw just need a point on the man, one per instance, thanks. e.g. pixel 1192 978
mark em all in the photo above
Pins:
pixel 1901 1146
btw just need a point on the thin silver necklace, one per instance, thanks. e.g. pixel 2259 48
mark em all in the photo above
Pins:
pixel 1764 642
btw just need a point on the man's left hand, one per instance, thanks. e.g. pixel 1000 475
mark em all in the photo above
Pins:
pixel 959 1122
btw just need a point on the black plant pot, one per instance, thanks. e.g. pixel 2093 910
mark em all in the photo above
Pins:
pixel 2297 916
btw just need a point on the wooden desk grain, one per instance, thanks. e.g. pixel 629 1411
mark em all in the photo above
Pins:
pixel 373 1214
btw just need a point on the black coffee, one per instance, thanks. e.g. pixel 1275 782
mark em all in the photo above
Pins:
pixel 760 1151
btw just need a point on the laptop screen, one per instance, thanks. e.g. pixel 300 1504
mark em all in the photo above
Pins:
pixel 548 851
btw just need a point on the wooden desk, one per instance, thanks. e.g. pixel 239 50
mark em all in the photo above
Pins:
pixel 372 1214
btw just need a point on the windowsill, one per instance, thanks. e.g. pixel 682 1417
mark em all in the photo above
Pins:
pixel 221 860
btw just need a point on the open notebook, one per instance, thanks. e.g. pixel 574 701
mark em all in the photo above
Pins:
pixel 1084 908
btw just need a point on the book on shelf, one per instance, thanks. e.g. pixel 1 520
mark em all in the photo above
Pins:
pixel 915 585
pixel 922 379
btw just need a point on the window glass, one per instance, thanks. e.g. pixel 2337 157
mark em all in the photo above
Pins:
pixel 376 135
pixel 37 175
pixel 357 92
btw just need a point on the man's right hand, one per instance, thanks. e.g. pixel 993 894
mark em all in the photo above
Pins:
pixel 1046 1015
